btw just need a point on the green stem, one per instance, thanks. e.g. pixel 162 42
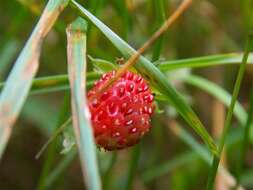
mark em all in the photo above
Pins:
pixel 246 136
pixel 161 17
pixel 216 159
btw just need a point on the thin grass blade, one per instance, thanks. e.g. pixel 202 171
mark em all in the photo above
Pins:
pixel 83 131
pixel 218 92
pixel 205 61
pixel 246 138
pixel 228 121
pixel 160 12
pixel 55 83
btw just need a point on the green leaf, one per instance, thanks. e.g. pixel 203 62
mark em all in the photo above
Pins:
pixel 154 75
pixel 101 65
pixel 76 37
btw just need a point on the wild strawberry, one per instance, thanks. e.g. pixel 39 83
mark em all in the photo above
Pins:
pixel 121 115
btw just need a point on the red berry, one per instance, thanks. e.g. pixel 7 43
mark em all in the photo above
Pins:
pixel 121 115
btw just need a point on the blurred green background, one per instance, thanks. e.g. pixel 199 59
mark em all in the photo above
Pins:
pixel 163 160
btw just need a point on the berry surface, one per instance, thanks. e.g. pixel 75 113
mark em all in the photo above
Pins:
pixel 121 115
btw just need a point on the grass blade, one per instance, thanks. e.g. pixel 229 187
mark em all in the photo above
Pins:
pixel 83 131
pixel 160 17
pixel 216 159
pixel 20 79
pixel 6 55
pixel 55 83
pixel 53 136
pixel 246 137
pixel 205 61
pixel 219 93
pixel 148 70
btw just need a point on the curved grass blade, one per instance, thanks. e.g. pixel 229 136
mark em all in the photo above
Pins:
pixel 154 75
pixel 217 92
pixel 20 79
pixel 82 127
pixel 205 61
